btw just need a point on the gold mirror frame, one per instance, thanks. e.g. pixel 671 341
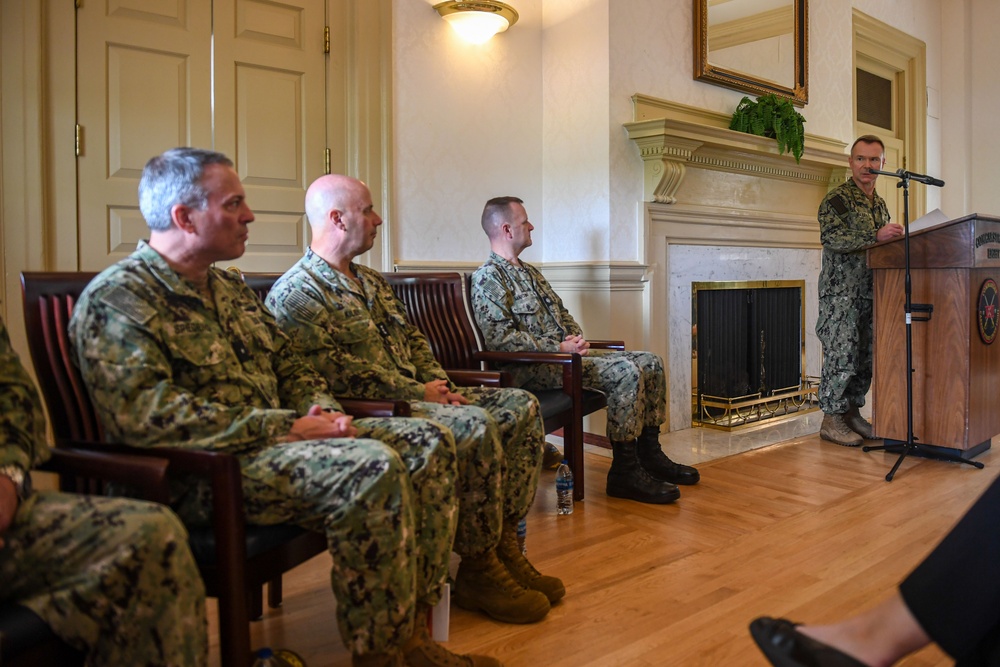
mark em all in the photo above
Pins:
pixel 747 82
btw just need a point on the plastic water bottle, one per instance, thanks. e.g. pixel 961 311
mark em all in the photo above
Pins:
pixel 279 658
pixel 564 489
pixel 522 533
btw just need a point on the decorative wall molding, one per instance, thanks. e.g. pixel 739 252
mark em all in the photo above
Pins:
pixel 596 276
pixel 426 267
pixel 718 226
pixel 673 138
pixel 589 276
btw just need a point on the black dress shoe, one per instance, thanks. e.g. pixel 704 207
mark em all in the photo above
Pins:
pixel 785 646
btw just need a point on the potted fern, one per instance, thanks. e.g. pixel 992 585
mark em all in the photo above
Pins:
pixel 772 117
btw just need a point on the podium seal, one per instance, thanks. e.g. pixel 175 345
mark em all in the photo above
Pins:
pixel 988 313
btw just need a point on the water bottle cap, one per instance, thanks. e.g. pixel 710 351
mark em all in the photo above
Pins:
pixel 564 461
pixel 265 653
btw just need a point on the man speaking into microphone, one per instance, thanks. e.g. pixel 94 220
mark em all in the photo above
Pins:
pixel 851 217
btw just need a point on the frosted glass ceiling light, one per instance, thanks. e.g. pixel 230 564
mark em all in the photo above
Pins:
pixel 477 20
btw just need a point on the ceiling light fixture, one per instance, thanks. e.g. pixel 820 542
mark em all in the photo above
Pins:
pixel 477 20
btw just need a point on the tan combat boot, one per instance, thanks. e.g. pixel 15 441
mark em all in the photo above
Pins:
pixel 421 650
pixel 394 659
pixel 859 424
pixel 835 429
pixel 552 457
pixel 484 584
pixel 522 570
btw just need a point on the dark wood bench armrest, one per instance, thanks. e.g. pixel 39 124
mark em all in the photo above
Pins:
pixel 366 407
pixel 470 378
pixel 148 474
pixel 607 344
pixel 571 362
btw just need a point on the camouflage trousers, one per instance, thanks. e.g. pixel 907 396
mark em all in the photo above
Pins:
pixel 112 577
pixel 386 503
pixel 500 440
pixel 844 328
pixel 633 381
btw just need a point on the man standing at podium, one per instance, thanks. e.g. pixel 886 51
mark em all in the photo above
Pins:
pixel 851 217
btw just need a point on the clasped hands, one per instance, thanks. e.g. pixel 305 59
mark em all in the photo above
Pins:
pixel 318 424
pixel 438 391
pixel 576 344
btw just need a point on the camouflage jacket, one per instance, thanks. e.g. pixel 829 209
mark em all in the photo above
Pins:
pixel 166 366
pixel 357 336
pixel 22 423
pixel 517 310
pixel 848 222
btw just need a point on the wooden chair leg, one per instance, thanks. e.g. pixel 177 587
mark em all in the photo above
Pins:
pixel 573 451
pixel 274 593
pixel 234 631
pixel 255 603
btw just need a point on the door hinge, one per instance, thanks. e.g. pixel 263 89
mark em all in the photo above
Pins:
pixel 78 147
pixel 78 3
pixel 326 39
pixel 326 161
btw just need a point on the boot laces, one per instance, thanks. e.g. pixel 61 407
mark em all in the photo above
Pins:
pixel 513 560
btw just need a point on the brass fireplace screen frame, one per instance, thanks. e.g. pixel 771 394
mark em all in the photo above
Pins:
pixel 753 409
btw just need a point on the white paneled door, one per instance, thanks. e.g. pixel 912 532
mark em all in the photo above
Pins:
pixel 245 77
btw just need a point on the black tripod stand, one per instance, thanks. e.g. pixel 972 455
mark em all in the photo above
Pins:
pixel 924 311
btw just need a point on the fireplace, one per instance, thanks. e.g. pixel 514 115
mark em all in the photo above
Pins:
pixel 748 352
pixel 720 205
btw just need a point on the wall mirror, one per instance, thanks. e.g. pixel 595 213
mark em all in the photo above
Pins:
pixel 756 46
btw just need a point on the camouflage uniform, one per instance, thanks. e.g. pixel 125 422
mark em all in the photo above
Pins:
pixel 848 222
pixel 358 337
pixel 112 577
pixel 166 365
pixel 517 310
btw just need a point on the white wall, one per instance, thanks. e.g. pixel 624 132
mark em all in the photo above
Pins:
pixel 983 140
pixel 538 111
pixel 467 126
pixel 575 175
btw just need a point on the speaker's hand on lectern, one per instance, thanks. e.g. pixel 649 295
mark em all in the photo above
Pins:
pixel 890 231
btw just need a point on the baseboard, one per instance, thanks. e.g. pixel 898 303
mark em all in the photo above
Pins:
pixel 589 439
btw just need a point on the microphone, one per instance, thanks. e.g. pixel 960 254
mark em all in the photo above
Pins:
pixel 928 180
pixel 920 178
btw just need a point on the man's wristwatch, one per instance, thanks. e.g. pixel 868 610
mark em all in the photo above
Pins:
pixel 22 482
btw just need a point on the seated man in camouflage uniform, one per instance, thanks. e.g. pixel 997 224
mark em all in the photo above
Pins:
pixel 176 352
pixel 112 577
pixel 346 320
pixel 517 310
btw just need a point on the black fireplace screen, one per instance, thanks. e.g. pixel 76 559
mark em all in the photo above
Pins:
pixel 747 341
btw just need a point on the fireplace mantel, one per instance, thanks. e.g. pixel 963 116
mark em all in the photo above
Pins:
pixel 673 138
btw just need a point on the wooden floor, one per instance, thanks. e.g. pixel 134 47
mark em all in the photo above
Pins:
pixel 802 529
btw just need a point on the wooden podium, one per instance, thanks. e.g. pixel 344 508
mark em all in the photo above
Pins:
pixel 956 379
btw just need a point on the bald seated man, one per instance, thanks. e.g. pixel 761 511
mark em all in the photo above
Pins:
pixel 345 319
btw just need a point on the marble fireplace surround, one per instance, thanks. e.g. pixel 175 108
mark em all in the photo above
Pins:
pixel 722 205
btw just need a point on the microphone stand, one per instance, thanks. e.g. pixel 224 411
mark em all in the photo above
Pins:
pixel 910 446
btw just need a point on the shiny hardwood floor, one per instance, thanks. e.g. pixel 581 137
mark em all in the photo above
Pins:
pixel 801 529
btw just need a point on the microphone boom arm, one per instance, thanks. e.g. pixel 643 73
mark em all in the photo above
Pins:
pixel 909 175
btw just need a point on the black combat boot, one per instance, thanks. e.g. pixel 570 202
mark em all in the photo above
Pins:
pixel 628 479
pixel 658 464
